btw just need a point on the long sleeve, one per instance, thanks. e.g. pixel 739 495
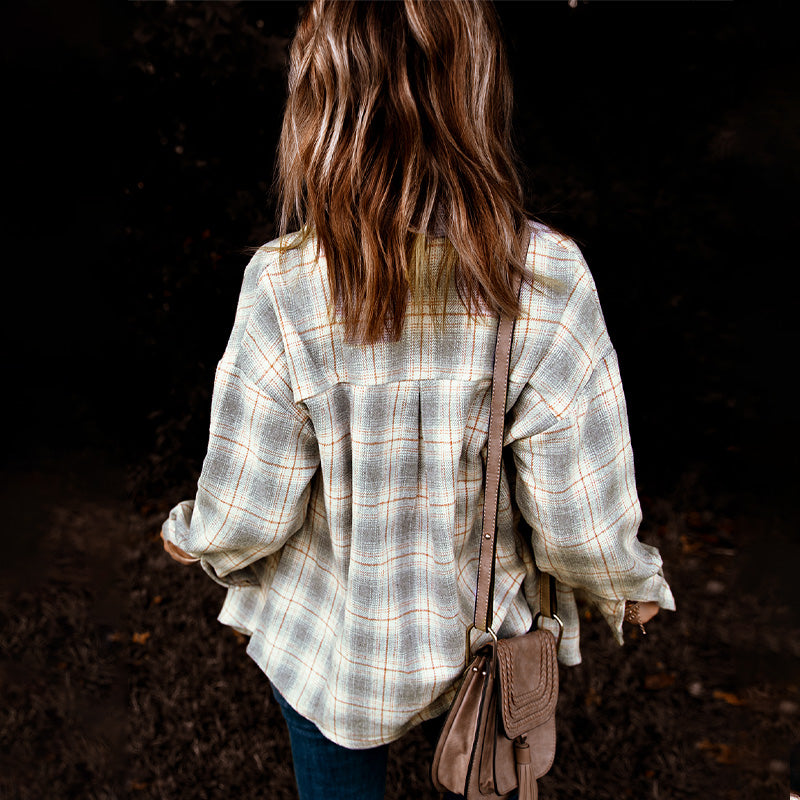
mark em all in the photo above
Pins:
pixel 572 451
pixel 262 453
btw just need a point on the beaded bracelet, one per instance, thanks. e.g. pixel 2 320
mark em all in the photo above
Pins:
pixel 632 614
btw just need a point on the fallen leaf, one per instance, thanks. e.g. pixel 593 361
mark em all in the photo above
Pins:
pixel 592 698
pixel 660 680
pixel 729 697
pixel 721 753
pixel 688 546
pixel 725 755
pixel 705 744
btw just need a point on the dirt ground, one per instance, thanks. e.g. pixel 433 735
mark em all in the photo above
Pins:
pixel 118 682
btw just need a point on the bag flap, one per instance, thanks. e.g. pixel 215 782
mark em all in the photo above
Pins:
pixel 528 672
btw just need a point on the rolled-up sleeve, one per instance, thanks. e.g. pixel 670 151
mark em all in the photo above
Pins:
pixel 568 430
pixel 255 483
pixel 576 488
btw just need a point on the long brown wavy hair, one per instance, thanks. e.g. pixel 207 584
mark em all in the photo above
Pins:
pixel 398 128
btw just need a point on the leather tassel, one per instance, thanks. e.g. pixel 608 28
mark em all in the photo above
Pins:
pixel 528 790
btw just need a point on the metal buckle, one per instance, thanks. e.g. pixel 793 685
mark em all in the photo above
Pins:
pixel 468 652
pixel 557 619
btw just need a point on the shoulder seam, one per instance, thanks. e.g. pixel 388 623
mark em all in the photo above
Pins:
pixel 562 241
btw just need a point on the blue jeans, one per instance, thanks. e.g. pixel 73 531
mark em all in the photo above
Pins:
pixel 325 770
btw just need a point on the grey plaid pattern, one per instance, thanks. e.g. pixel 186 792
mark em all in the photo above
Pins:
pixel 341 497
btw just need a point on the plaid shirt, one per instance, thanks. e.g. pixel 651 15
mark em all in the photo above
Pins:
pixel 341 496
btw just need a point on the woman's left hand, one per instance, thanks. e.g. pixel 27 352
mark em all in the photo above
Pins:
pixel 647 610
pixel 176 553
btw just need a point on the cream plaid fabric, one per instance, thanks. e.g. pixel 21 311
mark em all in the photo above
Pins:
pixel 340 499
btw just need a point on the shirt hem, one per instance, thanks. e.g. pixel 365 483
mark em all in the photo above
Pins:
pixel 435 709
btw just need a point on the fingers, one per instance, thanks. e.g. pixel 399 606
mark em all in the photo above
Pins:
pixel 176 553
pixel 179 555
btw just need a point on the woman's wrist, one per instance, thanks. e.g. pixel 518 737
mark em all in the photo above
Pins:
pixel 638 612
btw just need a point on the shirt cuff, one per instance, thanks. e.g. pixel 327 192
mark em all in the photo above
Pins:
pixel 239 577
pixel 176 529
pixel 654 589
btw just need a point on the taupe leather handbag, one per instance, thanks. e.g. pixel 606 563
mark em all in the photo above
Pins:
pixel 500 732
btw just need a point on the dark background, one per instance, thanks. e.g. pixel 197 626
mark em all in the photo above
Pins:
pixel 139 151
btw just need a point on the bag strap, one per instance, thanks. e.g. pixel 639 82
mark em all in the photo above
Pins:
pixel 484 596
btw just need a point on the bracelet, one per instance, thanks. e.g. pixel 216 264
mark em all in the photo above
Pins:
pixel 632 614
